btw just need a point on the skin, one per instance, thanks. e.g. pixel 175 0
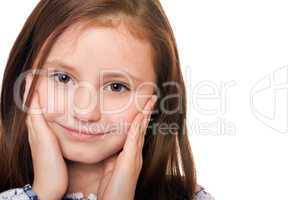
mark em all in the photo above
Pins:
pixel 61 161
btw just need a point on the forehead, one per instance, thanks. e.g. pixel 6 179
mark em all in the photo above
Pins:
pixel 95 48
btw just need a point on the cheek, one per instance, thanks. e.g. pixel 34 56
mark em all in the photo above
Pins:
pixel 115 103
pixel 122 120
pixel 52 99
pixel 121 103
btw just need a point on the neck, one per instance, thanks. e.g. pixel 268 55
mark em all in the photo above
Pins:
pixel 84 177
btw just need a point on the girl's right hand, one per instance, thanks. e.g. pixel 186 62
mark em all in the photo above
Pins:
pixel 50 170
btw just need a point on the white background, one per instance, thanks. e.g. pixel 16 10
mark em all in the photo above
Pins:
pixel 241 64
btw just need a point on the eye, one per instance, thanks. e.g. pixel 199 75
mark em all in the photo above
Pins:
pixel 117 87
pixel 61 77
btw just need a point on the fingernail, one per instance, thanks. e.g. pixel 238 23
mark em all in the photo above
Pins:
pixel 154 99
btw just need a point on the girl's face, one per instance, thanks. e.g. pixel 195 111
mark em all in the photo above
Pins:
pixel 95 80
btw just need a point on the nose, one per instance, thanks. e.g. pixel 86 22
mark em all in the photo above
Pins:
pixel 86 105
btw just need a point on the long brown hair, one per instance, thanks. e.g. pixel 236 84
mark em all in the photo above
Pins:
pixel 168 170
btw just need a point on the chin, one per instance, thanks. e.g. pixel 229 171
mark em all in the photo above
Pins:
pixel 82 157
pixel 90 154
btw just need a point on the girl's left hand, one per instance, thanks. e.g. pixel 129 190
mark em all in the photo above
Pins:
pixel 122 171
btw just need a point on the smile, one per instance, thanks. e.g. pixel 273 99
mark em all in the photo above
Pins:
pixel 83 135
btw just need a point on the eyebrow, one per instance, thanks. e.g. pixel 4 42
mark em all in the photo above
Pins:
pixel 108 74
pixel 59 64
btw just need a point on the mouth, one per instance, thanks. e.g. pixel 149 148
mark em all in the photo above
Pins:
pixel 83 135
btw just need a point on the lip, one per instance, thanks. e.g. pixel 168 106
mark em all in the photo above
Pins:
pixel 82 135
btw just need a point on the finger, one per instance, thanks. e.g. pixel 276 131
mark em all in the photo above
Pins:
pixel 37 118
pixel 147 114
pixel 149 105
pixel 133 143
pixel 104 183
pixel 133 133
pixel 28 121
pixel 30 128
pixel 30 133
pixel 28 81
pixel 148 110
pixel 107 173
pixel 32 136
pixel 143 132
pixel 110 162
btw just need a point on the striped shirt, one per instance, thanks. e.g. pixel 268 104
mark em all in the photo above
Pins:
pixel 26 193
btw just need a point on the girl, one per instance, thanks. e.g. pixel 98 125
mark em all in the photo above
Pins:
pixel 93 105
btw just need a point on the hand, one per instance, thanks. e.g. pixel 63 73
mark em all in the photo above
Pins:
pixel 50 171
pixel 121 172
